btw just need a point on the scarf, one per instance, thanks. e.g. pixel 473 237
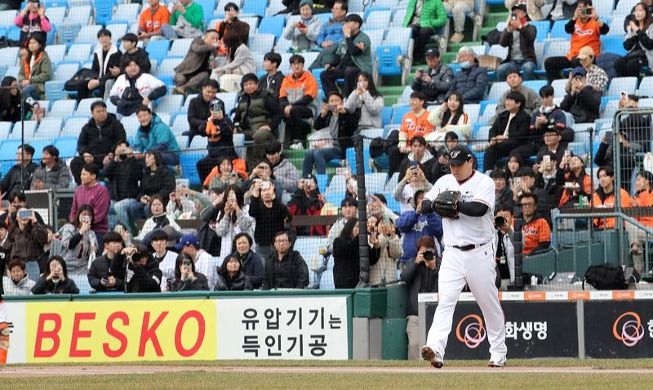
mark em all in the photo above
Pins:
pixel 29 63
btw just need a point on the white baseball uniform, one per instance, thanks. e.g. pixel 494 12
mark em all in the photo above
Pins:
pixel 474 266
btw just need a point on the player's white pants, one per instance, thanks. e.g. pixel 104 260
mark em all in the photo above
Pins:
pixel 476 268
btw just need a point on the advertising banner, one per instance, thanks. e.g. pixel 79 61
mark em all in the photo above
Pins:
pixel 533 329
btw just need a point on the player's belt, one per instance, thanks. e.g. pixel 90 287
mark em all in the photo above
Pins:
pixel 469 247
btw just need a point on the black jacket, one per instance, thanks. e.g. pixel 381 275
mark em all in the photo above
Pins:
pixel 420 279
pixel 518 130
pixel 208 239
pixel 252 265
pixel 146 278
pixel 124 177
pixel 160 182
pixel 140 56
pixel 101 267
pixel 436 89
pixel 101 140
pixel 292 272
pixel 527 36
pixel 584 105
pixel 198 112
pixel 269 221
pixel 347 125
pixel 239 282
pixel 346 262
pixel 200 283
pixel 44 286
pixel 11 181
pixel 272 84
pixel 113 61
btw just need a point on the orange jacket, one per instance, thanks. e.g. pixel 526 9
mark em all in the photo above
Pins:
pixel 645 199
pixel 152 23
pixel 535 232
pixel 413 125
pixel 585 34
pixel 569 194
pixel 294 88
pixel 600 199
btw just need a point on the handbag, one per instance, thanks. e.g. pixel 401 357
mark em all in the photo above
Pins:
pixel 81 76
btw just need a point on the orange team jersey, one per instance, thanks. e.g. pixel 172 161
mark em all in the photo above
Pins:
pixel 151 23
pixel 533 233
pixel 567 194
pixel 414 125
pixel 609 223
pixel 645 199
pixel 585 34
pixel 294 88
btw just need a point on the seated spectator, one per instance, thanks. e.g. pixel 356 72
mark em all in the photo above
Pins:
pixel 596 77
pixel 151 19
pixel 18 282
pixel 94 194
pixel 250 263
pixel 204 262
pixel 106 271
pixel 106 65
pixel 232 276
pixel 509 133
pixel 158 221
pixel 353 55
pixel 631 16
pixel 32 22
pixel 330 35
pixel 333 124
pixel 19 177
pixel 198 109
pixel 346 258
pixel 143 273
pixel 582 101
pixel 576 181
pixel 519 38
pixel 166 258
pixel 441 165
pixel 419 153
pixel 35 69
pixel 123 173
pixel 307 200
pixel 414 225
pixel 351 190
pixel 562 9
pixel 258 115
pixel 638 42
pixel 208 239
pixel 231 23
pixel 412 181
pixel 298 91
pixel 182 206
pixel 155 136
pixel 533 7
pixel 604 197
pixel 135 89
pixel 471 80
pixel 449 116
pixel 222 175
pixel 98 137
pixel 349 209
pixel 303 32
pixel 186 20
pixel 283 170
pixel 535 231
pixel 368 100
pixel 548 189
pixel 55 279
pixel 233 218
pixel 505 252
pixel 426 18
pixel 515 82
pixel 414 123
pixel 550 121
pixel 585 29
pixel 78 241
pixel 421 276
pixel 434 81
pixel 270 214
pixel 272 79
pixel 10 100
pixel 195 68
pixel 53 174
pixel 186 278
pixel 503 196
pixel 636 237
pixel 133 52
pixel 387 245
pixel 240 61
pixel 284 267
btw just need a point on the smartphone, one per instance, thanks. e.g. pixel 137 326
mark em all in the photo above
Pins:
pixel 608 137
pixel 546 159
pixel 413 163
pixel 330 107
pixel 25 213
pixel 186 262
pixel 301 25
pixel 232 196
pixel 86 219
pixel 105 280
pixel 517 180
pixel 513 16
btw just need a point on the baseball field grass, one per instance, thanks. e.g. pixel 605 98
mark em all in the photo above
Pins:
pixel 265 374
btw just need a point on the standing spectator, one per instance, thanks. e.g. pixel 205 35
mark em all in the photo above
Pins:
pixel 262 172
pixel 270 214
pixel 435 80
pixel 449 116
pixel 547 186
pixel 419 155
pixel 219 130
pixel 186 20
pixel 240 61
pixel 459 9
pixel 155 136
pixel 515 82
pixel 471 80
pixel 303 32
pixel 585 29
pixel 158 221
pixel 166 258
pixel 53 174
pixel 505 252
pixel 123 172
pixel 412 181
pixel 596 77
pixel 604 197
pixel 106 271
pixel 421 275
pixel 258 115
pixel 284 171
pixel 204 262
pixel 285 267
pixel 331 35
pixel 250 262
pixel 78 241
pixel 307 200
pixel 143 273
pixel 535 231
pixel 33 22
pixel 425 18
pixel 10 100
pixel 231 23
pixel 20 176
pixel 353 55
pixel 18 282
pixel 533 7
pixel 232 276
pixel 133 52
pixel 519 38
pixel 98 137
pixel 186 278
pixel 550 121
pixel 636 237
pixel 134 89
pixel 272 79
pixel 348 207
pixel 232 219
pixel 199 107
pixel 387 245
pixel 413 225
pixel 346 258
pixel 35 69
pixel 208 239
pixel 106 64
pixel 55 279
pixel 414 123
pixel 92 193
pixel 195 68
pixel 638 42
pixel 298 90
pixel 151 19
pixel 25 240
pixel 582 101
pixel 368 100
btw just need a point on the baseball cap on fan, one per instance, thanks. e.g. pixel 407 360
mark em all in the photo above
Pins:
pixel 459 155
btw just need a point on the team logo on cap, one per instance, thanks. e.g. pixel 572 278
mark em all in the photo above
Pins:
pixel 631 329
pixel 454 154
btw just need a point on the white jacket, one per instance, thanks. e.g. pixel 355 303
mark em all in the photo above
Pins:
pixel 145 84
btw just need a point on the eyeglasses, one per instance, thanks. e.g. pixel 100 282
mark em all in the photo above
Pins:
pixel 281 241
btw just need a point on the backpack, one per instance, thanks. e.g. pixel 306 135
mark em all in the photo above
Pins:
pixel 608 276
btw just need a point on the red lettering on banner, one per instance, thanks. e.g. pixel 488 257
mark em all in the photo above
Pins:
pixel 79 334
pixel 148 333
pixel 201 324
pixel 112 331
pixel 42 334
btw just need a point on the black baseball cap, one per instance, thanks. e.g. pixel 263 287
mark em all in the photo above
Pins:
pixel 432 52
pixel 459 155
pixel 354 18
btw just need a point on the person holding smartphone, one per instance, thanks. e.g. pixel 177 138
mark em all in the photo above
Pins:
pixel 32 22
pixel 78 241
pixel 55 279
pixel 303 32
pixel 233 218
pixel 186 277
pixel 25 240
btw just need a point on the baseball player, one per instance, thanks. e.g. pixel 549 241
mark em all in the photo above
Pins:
pixel 465 201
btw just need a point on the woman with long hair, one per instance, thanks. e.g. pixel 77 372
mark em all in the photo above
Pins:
pixel 158 221
pixel 638 42
pixel 78 241
pixel 232 276
pixel 346 258
pixel 449 116
pixel 35 69
pixel 9 100
pixel 186 277
pixel 239 63
pixel 55 279
pixel 386 244
pixel 222 174
pixel 233 218
pixel 368 100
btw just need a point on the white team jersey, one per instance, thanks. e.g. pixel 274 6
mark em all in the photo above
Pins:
pixel 468 230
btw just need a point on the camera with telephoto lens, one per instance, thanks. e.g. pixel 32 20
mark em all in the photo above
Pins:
pixel 428 255
pixel 499 221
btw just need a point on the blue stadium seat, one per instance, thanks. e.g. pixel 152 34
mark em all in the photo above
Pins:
pixel 63 108
pixel 8 56
pixel 54 90
pixel 256 7
pixel 179 124
pixel 180 47
pixel 400 36
pixel 56 53
pixel 399 112
pixel 56 15
pixel 619 84
pixel 208 6
pixel 386 116
pixel 535 85
pixel 558 30
pixel 375 182
pixel 79 52
pixel 8 154
pixel 158 49
pixel 80 14
pixel 543 27
pixel 103 10
pixel 613 45
pixel 74 126
pixel 188 162
pixel 260 43
pixel 50 127
pixel 7 18
pixel 170 104
pixel 377 18
pixel 623 8
pixel 272 25
pixel 67 146
pixel 5 129
pixel 127 12
pixel 118 29
pixel 84 106
pixel 385 62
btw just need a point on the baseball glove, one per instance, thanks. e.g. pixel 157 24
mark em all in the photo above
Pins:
pixel 446 204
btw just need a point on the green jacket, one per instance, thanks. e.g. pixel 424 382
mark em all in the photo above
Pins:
pixel 362 59
pixel 41 73
pixel 194 15
pixel 433 14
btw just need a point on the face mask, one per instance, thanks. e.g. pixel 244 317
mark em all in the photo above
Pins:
pixel 546 110
pixel 466 65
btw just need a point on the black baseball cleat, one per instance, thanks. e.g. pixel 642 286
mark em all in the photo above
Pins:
pixel 433 357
